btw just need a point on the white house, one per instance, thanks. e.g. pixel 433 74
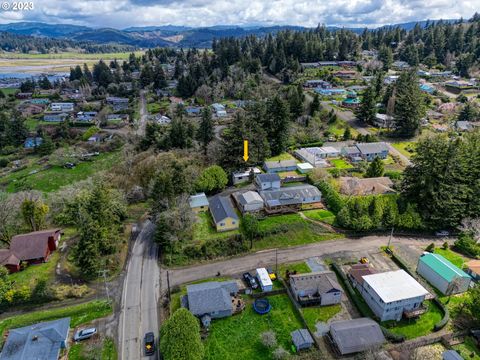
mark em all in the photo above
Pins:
pixel 67 107
pixel 249 201
pixel 219 109
pixel 244 175
pixel 392 294
pixel 268 181
pixel 264 279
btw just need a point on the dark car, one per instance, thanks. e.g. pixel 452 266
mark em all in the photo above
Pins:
pixel 149 341
pixel 250 280
pixel 69 165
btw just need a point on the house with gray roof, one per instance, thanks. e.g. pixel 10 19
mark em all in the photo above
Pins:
pixel 280 166
pixel 290 198
pixel 317 288
pixel 451 355
pixel 301 339
pixel 210 300
pixel 198 202
pixel 268 181
pixel 249 201
pixel 39 341
pixel 352 336
pixel 223 213
pixel 366 151
pixel 242 176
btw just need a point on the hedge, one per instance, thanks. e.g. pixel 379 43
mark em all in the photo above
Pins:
pixel 446 316
pixel 331 196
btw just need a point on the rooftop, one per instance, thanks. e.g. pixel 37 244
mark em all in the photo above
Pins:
pixel 395 286
pixel 280 164
pixel 356 335
pixel 221 208
pixel 198 200
pixel 442 266
pixel 209 297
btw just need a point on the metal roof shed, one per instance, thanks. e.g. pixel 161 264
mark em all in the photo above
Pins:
pixel 351 336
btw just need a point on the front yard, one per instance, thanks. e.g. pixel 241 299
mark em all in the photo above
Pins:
pixel 238 337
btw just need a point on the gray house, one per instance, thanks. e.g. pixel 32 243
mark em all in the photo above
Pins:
pixel 117 103
pixel 301 339
pixel 242 176
pixel 366 151
pixel 39 341
pixel 249 201
pixel 451 355
pixel 210 300
pixel 352 336
pixel 292 196
pixel 280 166
pixel 317 288
pixel 268 181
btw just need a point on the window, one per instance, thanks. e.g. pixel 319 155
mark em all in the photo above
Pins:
pixel 233 222
pixel 222 224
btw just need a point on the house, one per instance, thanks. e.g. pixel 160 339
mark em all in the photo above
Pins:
pixel 393 294
pixel 317 288
pixel 33 248
pixel 304 168
pixel 117 117
pixel 383 120
pixel 427 89
pixel 330 91
pixel 264 279
pixel 32 142
pixel 464 126
pixel 366 186
pixel 301 339
pixel 198 202
pixel 43 341
pixel 315 155
pixel 440 127
pixel 95 138
pixel 268 181
pixel 442 274
pixel 62 107
pixel 346 63
pixel 366 151
pixel 310 65
pixel 219 110
pixel 176 100
pixel 451 355
pixel 40 101
pixel 241 176
pixel 223 213
pixel 345 74
pixel 162 119
pixel 87 116
pixel 431 114
pixel 28 110
pixel 400 65
pixel 55 116
pixel 351 101
pixel 473 269
pixel 357 272
pixel 390 79
pixel 249 201
pixel 280 166
pixel 357 335
pixel 118 104
pixel 327 63
pixel 317 84
pixel 23 95
pixel 457 87
pixel 210 300
pixel 193 110
pixel 290 198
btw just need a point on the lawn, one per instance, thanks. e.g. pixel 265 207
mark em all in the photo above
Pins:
pixel 300 268
pixel 90 350
pixel 468 348
pixel 320 215
pixel 79 314
pixel 455 258
pixel 238 337
pixel 341 164
pixel 204 229
pixel 317 314
pixel 34 273
pixel 55 177
pixel 419 327
pixel 32 124
pixel 406 148
pixel 282 156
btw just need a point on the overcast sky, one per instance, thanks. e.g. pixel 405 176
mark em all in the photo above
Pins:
pixel 125 13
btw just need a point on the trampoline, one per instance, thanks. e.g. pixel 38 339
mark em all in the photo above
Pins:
pixel 262 306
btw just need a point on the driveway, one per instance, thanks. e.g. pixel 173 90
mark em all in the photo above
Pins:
pixel 140 298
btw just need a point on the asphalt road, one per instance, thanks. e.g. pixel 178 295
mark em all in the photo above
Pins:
pixel 140 298
pixel 238 265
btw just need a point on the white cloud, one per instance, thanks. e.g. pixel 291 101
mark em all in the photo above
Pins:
pixel 126 13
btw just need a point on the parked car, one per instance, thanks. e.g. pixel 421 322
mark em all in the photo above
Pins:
pixel 84 334
pixel 271 274
pixel 442 233
pixel 69 165
pixel 149 342
pixel 250 280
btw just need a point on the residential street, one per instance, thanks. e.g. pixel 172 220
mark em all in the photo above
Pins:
pixel 267 258
pixel 141 292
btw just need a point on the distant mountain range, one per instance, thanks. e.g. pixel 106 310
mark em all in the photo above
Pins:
pixel 151 36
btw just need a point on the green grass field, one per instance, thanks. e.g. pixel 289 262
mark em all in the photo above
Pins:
pixel 341 164
pixel 300 268
pixel 414 328
pixel 105 347
pixel 79 314
pixel 34 273
pixel 320 215
pixel 455 258
pixel 282 156
pixel 468 350
pixel 56 177
pixel 238 337
pixel 407 148
pixel 317 314
pixel 204 229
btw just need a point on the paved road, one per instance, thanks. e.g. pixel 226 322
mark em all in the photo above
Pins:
pixel 267 258
pixel 143 114
pixel 141 292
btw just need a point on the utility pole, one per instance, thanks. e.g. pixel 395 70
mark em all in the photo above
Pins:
pixel 168 286
pixel 103 273
pixel 276 261
pixel 390 239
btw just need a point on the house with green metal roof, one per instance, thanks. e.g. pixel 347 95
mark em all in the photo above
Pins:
pixel 442 274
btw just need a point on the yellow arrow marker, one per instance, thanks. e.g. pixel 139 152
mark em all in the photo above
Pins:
pixel 245 150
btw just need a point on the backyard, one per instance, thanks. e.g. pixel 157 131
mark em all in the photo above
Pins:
pixel 406 148
pixel 238 337
pixel 282 156
pixel 341 164
pixel 455 258
pixel 317 314
pixel 468 350
pixel 320 215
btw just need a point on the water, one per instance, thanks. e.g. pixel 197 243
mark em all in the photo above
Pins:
pixel 14 79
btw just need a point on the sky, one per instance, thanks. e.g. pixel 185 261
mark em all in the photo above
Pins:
pixel 121 14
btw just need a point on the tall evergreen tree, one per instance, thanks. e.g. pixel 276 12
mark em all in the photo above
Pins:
pixel 205 132
pixel 368 108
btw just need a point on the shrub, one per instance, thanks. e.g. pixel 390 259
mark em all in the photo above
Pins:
pixel 92 130
pixel 446 315
pixel 4 162
pixel 280 353
pixel 268 339
pixel 332 198
pixel 430 248
pixel 445 246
